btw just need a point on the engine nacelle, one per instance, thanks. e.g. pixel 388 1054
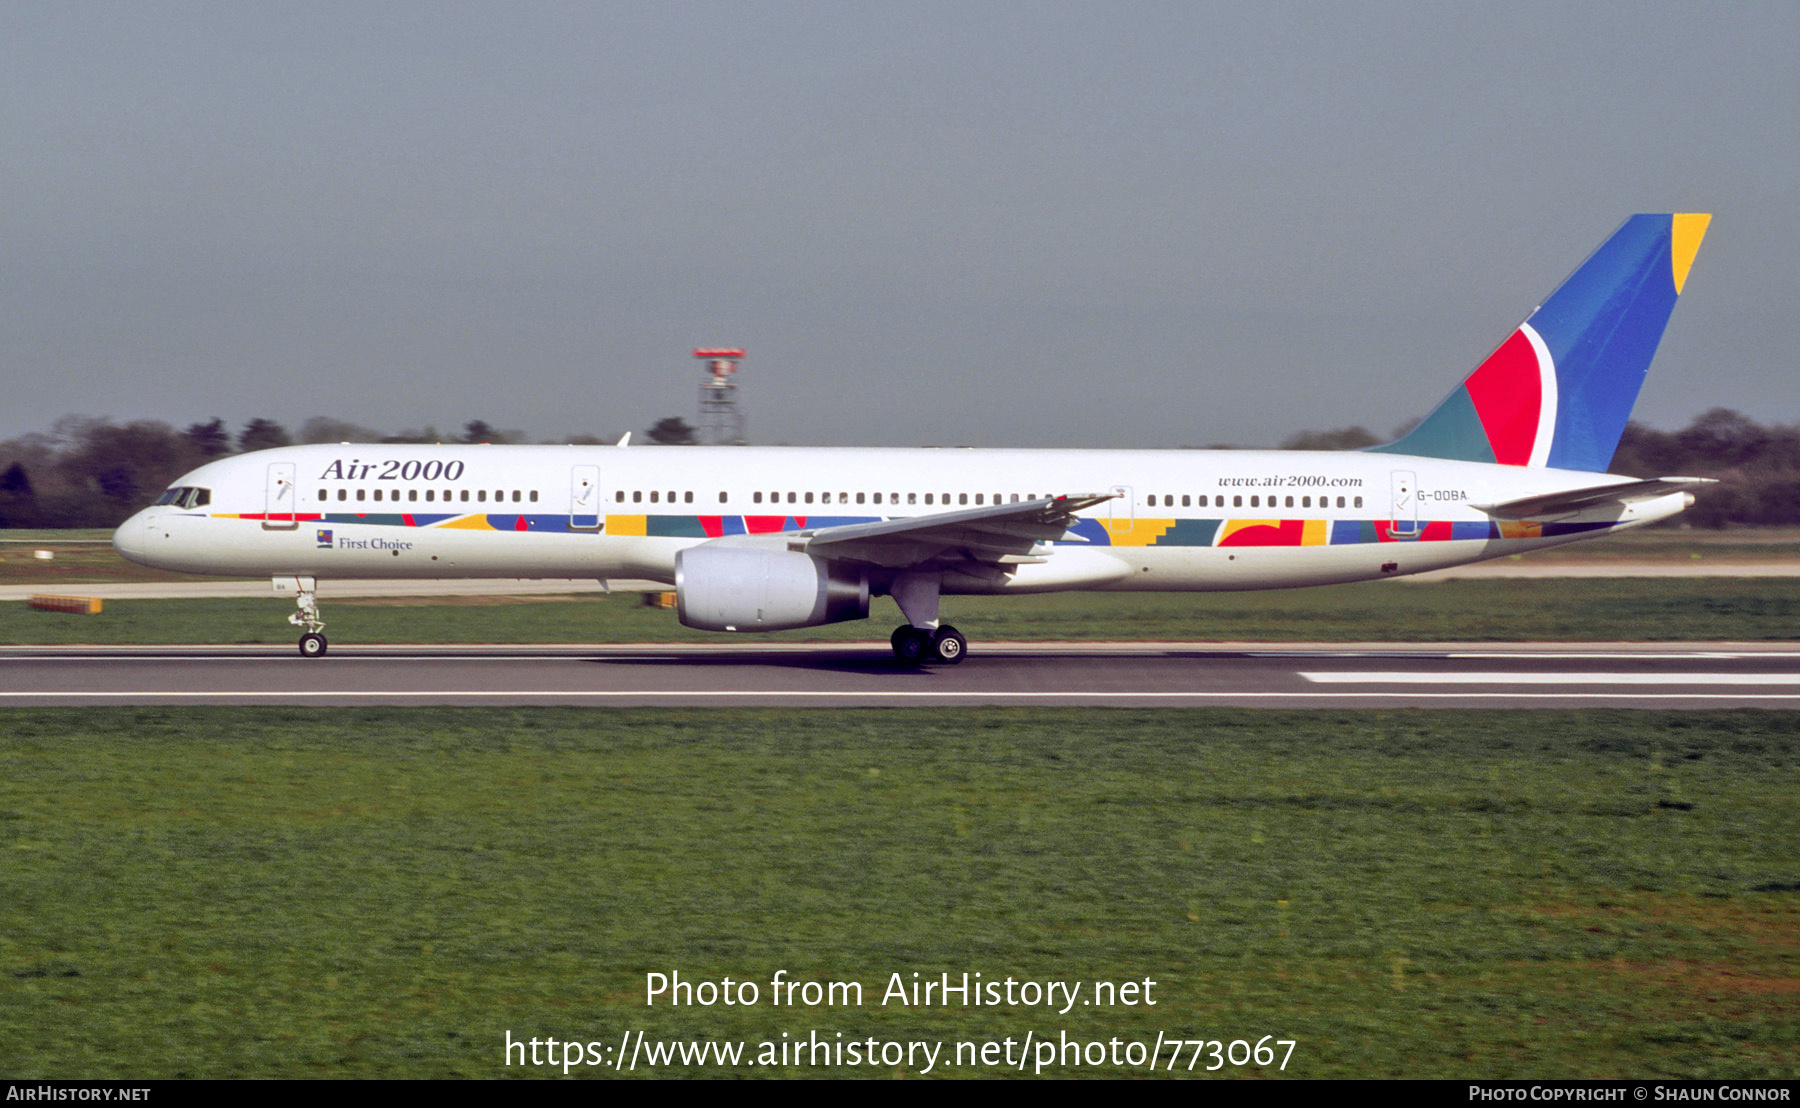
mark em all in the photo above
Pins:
pixel 727 588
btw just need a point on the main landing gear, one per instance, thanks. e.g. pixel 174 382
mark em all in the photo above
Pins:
pixel 312 643
pixel 919 645
pixel 922 638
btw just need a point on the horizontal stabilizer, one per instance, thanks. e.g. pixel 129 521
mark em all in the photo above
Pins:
pixel 1578 500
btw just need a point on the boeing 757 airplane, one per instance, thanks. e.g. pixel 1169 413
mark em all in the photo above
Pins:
pixel 771 538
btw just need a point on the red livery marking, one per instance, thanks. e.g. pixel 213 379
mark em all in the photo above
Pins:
pixel 520 524
pixel 714 526
pixel 1508 393
pixel 764 525
pixel 406 518
pixel 1288 532
pixel 799 522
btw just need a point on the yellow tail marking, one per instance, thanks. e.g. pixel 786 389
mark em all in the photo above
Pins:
pixel 1687 232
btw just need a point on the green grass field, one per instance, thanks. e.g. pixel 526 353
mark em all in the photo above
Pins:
pixel 220 893
pixel 1583 609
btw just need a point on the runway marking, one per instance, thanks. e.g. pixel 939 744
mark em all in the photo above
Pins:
pixel 1351 677
pixel 866 695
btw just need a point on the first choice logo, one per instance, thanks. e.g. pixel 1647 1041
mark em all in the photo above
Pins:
pixel 370 544
pixel 392 469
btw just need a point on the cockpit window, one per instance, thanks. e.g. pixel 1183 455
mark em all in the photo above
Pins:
pixel 184 496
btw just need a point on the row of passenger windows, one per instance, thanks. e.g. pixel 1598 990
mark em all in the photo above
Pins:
pixel 658 496
pixel 1256 502
pixel 477 496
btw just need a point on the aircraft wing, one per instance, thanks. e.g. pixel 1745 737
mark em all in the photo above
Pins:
pixel 1577 500
pixel 1003 534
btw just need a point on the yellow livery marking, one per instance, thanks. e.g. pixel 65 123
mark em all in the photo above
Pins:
pixel 626 525
pixel 468 523
pixel 1521 529
pixel 1687 232
pixel 1316 533
pixel 1142 532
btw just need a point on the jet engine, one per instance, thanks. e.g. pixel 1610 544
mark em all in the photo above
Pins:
pixel 727 588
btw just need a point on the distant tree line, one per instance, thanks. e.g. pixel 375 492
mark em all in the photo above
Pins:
pixel 94 473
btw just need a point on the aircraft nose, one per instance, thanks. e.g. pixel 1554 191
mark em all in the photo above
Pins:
pixel 128 540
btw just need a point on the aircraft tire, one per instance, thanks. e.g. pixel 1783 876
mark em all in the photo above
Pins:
pixel 948 645
pixel 312 645
pixel 912 646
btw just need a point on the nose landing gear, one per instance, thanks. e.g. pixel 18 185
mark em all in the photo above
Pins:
pixel 312 643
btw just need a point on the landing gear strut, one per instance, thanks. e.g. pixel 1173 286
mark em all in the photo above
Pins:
pixel 312 643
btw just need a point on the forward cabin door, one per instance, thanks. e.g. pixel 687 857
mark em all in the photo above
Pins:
pixel 280 512
pixel 1405 507
pixel 584 498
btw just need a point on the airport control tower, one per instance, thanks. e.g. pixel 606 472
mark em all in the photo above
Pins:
pixel 721 420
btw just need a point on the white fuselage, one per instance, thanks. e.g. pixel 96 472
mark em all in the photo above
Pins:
pixel 1178 519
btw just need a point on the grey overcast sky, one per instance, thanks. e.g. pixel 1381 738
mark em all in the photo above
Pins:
pixel 984 223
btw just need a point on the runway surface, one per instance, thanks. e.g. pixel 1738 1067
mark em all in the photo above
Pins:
pixel 1126 675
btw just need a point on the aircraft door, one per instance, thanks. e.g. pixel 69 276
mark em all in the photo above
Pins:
pixel 1405 503
pixel 1121 510
pixel 281 510
pixel 584 498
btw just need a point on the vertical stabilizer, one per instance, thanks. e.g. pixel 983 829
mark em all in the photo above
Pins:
pixel 1559 390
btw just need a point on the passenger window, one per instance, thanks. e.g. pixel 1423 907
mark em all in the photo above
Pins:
pixel 859 498
pixel 927 498
pixel 429 495
pixel 412 496
pixel 1237 502
pixel 756 498
pixel 465 496
pixel 791 498
pixel 1290 502
pixel 1359 502
pixel 343 494
pixel 809 498
pixel 481 495
pixel 1184 500
pixel 517 496
pixel 637 496
pixel 361 493
pixel 912 498
pixel 843 498
pixel 653 495
pixel 723 499
pixel 322 493
pixel 962 498
pixel 1340 502
pixel 619 497
pixel 687 497
pixel 534 496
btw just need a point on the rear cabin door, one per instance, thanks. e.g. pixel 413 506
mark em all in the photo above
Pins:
pixel 584 498
pixel 1405 507
pixel 280 512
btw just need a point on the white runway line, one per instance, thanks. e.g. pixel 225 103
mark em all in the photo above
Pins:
pixel 1352 677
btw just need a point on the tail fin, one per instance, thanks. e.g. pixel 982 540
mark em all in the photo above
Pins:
pixel 1559 390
